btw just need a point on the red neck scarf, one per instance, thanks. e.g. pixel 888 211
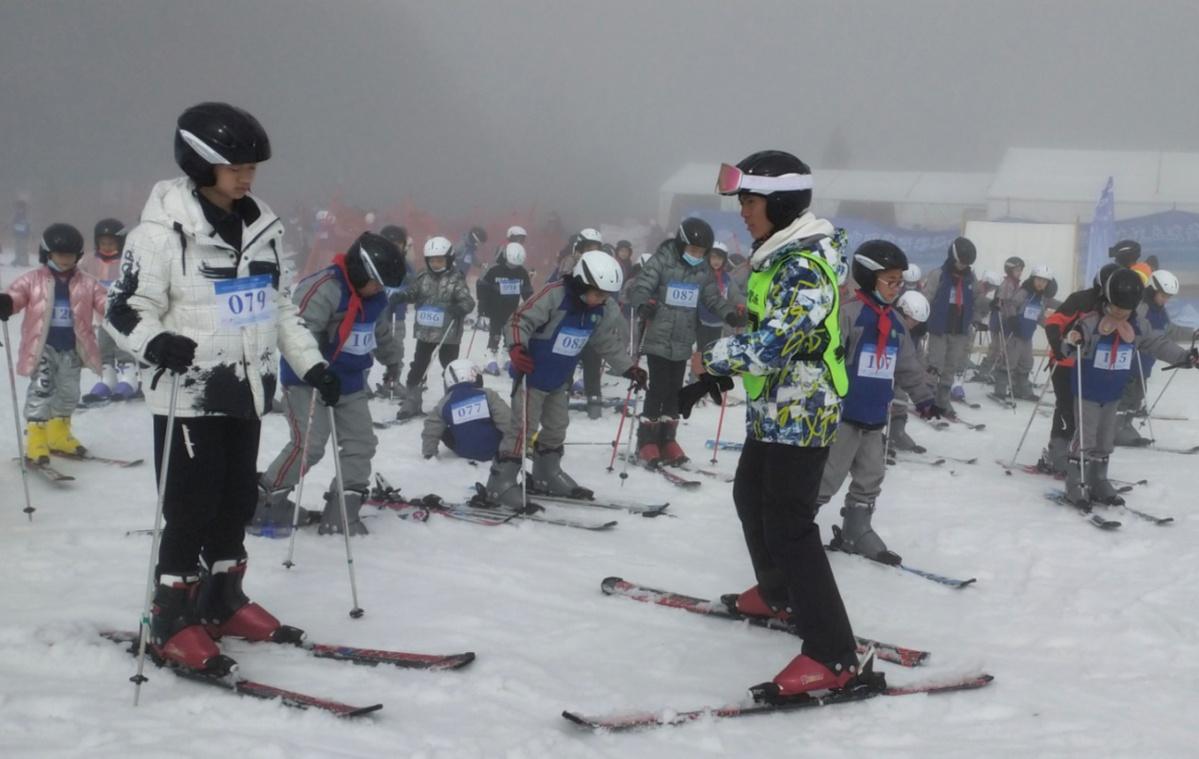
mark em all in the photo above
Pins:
pixel 884 326
pixel 352 310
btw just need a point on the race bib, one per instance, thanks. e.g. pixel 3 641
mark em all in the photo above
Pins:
pixel 1123 358
pixel 869 366
pixel 570 342
pixel 509 286
pixel 683 294
pixel 20 229
pixel 430 316
pixel 1032 312
pixel 61 315
pixel 361 340
pixel 470 410
pixel 244 301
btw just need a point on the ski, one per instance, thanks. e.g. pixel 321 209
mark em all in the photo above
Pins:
pixel 1168 449
pixel 45 470
pixel 385 424
pixel 1122 486
pixel 915 458
pixel 940 425
pixel 951 582
pixel 955 419
pixel 1059 497
pixel 669 476
pixel 1155 519
pixel 401 659
pixel 244 687
pixel 644 509
pixel 725 445
pixel 123 463
pixel 488 516
pixel 690 468
pixel 1002 401
pixel 644 719
pixel 616 586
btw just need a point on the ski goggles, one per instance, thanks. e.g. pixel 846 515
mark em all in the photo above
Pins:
pixel 732 180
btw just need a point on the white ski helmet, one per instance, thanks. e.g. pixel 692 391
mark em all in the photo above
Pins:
pixel 1043 272
pixel 1164 282
pixel 437 246
pixel 587 235
pixel 460 370
pixel 992 278
pixel 599 270
pixel 721 246
pixel 912 274
pixel 516 231
pixel 514 254
pixel 913 305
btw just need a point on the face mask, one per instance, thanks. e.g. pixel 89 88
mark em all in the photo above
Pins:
pixel 691 260
pixel 879 297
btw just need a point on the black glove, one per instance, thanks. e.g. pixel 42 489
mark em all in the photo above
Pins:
pixel 929 410
pixel 981 327
pixel 637 375
pixel 711 385
pixel 325 382
pixel 735 319
pixel 6 306
pixel 647 309
pixel 170 351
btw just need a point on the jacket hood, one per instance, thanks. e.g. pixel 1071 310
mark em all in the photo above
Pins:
pixel 172 204
pixel 806 225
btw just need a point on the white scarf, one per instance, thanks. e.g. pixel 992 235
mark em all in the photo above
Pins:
pixel 806 225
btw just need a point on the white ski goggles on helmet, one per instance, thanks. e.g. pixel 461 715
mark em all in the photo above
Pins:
pixel 732 180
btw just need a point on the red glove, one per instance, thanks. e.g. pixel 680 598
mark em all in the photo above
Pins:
pixel 521 360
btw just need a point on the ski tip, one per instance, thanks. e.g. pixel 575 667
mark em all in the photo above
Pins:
pixel 610 584
pixel 358 711
pixel 577 719
pixel 965 583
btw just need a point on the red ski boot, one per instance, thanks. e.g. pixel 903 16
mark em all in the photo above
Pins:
pixel 806 677
pixel 672 452
pixel 647 442
pixel 176 636
pixel 227 611
pixel 752 604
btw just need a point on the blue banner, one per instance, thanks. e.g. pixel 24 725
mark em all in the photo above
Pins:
pixel 1103 231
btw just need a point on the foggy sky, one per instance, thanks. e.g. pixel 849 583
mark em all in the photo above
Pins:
pixel 583 107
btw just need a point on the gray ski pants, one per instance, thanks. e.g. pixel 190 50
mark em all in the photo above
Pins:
pixel 549 411
pixel 947 354
pixel 110 354
pixel 858 452
pixel 355 436
pixel 54 386
pixel 1097 428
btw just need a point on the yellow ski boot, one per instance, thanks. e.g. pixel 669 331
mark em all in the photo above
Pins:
pixel 36 449
pixel 59 437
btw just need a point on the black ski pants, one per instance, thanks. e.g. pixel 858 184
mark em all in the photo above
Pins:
pixel 665 382
pixel 424 354
pixel 1063 403
pixel 211 489
pixel 775 492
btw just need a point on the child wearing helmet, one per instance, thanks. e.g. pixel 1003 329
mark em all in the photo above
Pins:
pixel 440 301
pixel 667 295
pixel 913 309
pixel 878 356
pixel 469 419
pixel 58 339
pixel 545 338
pixel 1023 313
pixel 1104 342
pixel 950 291
pixel 345 307
pixel 711 327
pixel 986 321
pixel 500 291
pixel 119 378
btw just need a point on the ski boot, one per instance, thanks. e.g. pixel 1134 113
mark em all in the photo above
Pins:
pixel 102 390
pixel 1022 388
pixel 36 448
pixel 59 438
pixel 1097 483
pixel 942 401
pixel 647 441
pixel 331 517
pixel 411 407
pixel 176 635
pixel 1126 434
pixel 503 485
pixel 1074 490
pixel 492 368
pixel 672 452
pixel 754 603
pixel 273 514
pixel 805 677
pixel 577 388
pixel 226 611
pixel 899 440
pixel 857 536
pixel 548 476
pixel 1054 458
pixel 595 407
pixel 128 385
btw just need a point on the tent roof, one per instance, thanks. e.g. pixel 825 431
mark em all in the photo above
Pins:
pixel 1079 175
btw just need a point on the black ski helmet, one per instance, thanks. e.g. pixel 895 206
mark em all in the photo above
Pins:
pixel 374 257
pixel 1013 263
pixel 478 235
pixel 874 256
pixel 695 231
pixel 1123 289
pixel 1126 252
pixel 962 251
pixel 1102 275
pixel 397 234
pixel 211 134
pixel 109 228
pixel 785 206
pixel 60 238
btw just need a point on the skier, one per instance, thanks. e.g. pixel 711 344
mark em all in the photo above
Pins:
pixel 912 278
pixel 118 369
pixel 515 233
pixel 666 295
pixel 1104 341
pixel 791 361
pixel 1006 316
pixel 589 239
pixel 199 297
pixel 20 233
pixel 913 310
pixel 441 301
pixel 1022 314
pixel 544 339
pixel 711 326
pixel 467 253
pixel 878 355
pixel 1152 311
pixel 624 257
pixel 950 291
pixel 470 419
pixel 57 339
pixel 395 315
pixel 344 307
pixel 500 291
pixel 986 320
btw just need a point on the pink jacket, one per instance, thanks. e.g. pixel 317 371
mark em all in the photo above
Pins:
pixel 35 290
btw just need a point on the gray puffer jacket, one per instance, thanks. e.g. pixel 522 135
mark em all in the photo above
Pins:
pixel 679 289
pixel 439 301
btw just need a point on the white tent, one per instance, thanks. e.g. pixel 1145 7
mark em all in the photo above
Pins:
pixel 1064 185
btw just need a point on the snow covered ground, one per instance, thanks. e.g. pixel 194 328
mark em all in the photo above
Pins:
pixel 1092 636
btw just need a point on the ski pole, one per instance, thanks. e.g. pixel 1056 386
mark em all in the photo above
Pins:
pixel 628 446
pixel 1167 385
pixel 1007 365
pixel 524 436
pixel 1159 397
pixel 1027 427
pixel 356 611
pixel 624 412
pixel 16 420
pixel 1144 395
pixel 295 514
pixel 474 331
pixel 1082 456
pixel 724 402
pixel 143 632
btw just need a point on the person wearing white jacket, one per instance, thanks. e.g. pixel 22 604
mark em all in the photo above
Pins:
pixel 198 296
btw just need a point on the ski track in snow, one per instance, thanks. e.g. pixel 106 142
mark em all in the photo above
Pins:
pixel 1092 636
